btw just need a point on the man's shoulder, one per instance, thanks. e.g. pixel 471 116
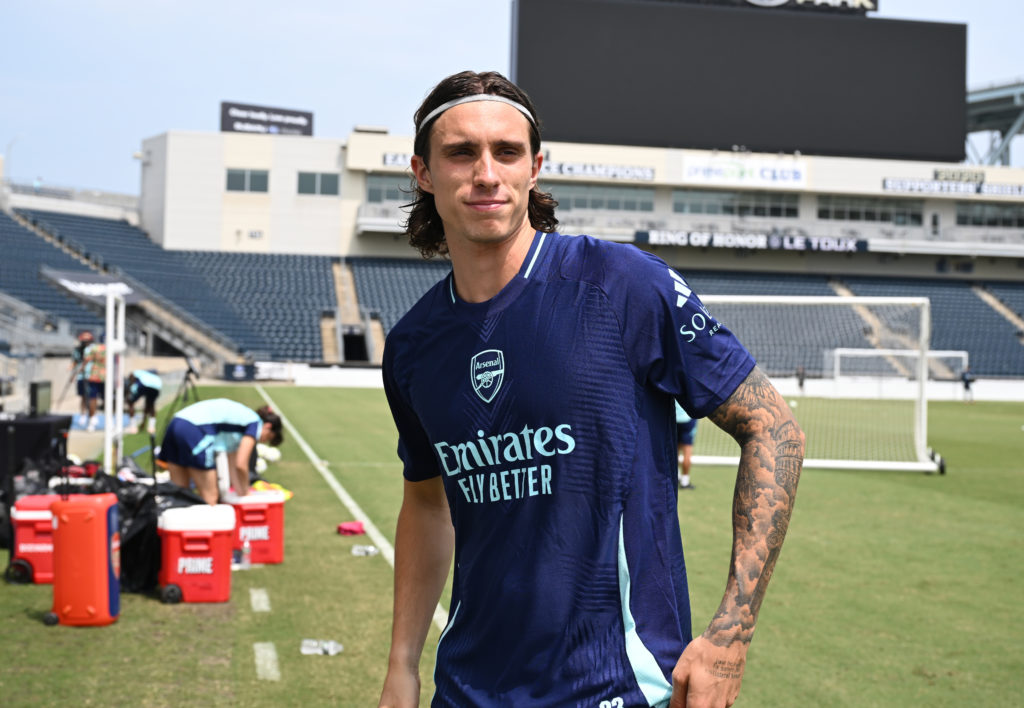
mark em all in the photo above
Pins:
pixel 596 260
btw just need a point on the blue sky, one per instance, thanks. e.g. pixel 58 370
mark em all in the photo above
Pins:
pixel 82 83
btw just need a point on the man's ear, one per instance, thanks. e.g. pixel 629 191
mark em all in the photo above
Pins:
pixel 538 160
pixel 422 174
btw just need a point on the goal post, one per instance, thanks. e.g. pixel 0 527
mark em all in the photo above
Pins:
pixel 874 416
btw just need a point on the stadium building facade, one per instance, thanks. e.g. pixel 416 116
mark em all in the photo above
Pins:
pixel 696 208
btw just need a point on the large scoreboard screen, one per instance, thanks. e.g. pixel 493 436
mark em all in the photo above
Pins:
pixel 683 75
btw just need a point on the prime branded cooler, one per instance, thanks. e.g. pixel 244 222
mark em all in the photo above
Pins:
pixel 32 560
pixel 195 545
pixel 259 520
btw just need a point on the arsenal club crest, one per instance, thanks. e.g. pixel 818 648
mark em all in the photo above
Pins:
pixel 486 371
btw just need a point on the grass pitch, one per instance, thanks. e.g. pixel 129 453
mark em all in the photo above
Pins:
pixel 893 589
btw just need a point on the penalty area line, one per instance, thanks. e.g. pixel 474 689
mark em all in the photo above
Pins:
pixel 386 549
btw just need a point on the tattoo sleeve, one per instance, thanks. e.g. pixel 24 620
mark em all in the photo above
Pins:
pixel 771 457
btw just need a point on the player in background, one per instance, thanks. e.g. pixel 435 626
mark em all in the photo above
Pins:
pixel 686 432
pixel 94 370
pixel 198 432
pixel 532 390
pixel 78 372
pixel 967 378
pixel 147 386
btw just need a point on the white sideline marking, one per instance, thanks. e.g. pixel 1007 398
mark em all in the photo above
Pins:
pixel 386 550
pixel 259 599
pixel 266 661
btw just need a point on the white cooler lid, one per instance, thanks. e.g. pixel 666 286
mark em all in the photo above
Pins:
pixel 267 496
pixel 198 517
pixel 31 514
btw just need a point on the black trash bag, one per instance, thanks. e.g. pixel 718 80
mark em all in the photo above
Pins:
pixel 139 507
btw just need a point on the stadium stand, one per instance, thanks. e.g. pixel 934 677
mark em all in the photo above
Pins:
pixel 390 286
pixel 782 338
pixel 268 304
pixel 1010 294
pixel 278 297
pixel 24 252
pixel 960 320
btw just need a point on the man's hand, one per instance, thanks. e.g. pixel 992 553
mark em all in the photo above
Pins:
pixel 401 690
pixel 707 675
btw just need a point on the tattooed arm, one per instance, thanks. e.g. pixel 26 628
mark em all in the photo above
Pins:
pixel 771 455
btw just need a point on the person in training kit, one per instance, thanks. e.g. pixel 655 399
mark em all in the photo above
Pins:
pixel 532 389
pixel 198 432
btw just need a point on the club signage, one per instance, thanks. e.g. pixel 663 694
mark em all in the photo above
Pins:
pixel 952 181
pixel 751 240
pixel 859 7
pixel 245 118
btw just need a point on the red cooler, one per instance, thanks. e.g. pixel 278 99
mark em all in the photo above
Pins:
pixel 195 545
pixel 86 560
pixel 32 561
pixel 260 521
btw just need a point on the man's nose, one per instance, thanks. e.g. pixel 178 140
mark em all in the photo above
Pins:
pixel 485 173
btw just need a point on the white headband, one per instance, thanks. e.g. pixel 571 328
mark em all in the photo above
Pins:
pixel 471 99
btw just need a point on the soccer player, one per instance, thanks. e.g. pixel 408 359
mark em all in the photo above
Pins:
pixel 532 390
pixel 145 385
pixel 686 431
pixel 198 432
pixel 94 369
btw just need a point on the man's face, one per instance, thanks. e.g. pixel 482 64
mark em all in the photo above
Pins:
pixel 481 172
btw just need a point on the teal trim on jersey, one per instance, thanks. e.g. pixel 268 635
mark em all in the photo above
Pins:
pixel 645 667
pixel 536 252
pixel 451 621
pixel 681 415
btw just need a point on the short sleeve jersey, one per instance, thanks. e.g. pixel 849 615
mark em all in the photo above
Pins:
pixel 148 379
pixel 223 421
pixel 548 413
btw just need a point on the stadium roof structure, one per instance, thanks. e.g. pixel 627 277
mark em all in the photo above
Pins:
pixel 998 109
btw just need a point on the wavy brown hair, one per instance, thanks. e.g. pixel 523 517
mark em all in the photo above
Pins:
pixel 424 226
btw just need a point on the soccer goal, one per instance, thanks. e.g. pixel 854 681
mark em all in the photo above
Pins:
pixel 853 369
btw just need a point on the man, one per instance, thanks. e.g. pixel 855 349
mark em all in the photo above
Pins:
pixel 967 378
pixel 146 385
pixel 197 433
pixel 78 371
pixel 532 390
pixel 95 372
pixel 686 432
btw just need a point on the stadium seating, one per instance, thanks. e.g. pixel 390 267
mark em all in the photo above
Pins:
pixel 268 304
pixel 960 321
pixel 390 286
pixel 782 338
pixel 1010 294
pixel 23 254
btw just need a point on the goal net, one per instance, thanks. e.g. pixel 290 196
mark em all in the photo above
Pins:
pixel 853 369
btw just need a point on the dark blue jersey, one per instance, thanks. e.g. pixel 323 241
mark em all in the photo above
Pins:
pixel 548 413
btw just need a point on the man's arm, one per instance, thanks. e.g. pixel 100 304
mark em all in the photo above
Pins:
pixel 240 470
pixel 771 456
pixel 424 542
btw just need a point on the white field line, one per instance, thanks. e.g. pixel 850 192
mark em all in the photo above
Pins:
pixel 386 549
pixel 266 661
pixel 259 598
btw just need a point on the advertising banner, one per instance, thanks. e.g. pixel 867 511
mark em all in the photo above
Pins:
pixel 245 118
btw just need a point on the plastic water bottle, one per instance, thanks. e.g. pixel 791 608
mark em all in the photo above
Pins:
pixel 246 555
